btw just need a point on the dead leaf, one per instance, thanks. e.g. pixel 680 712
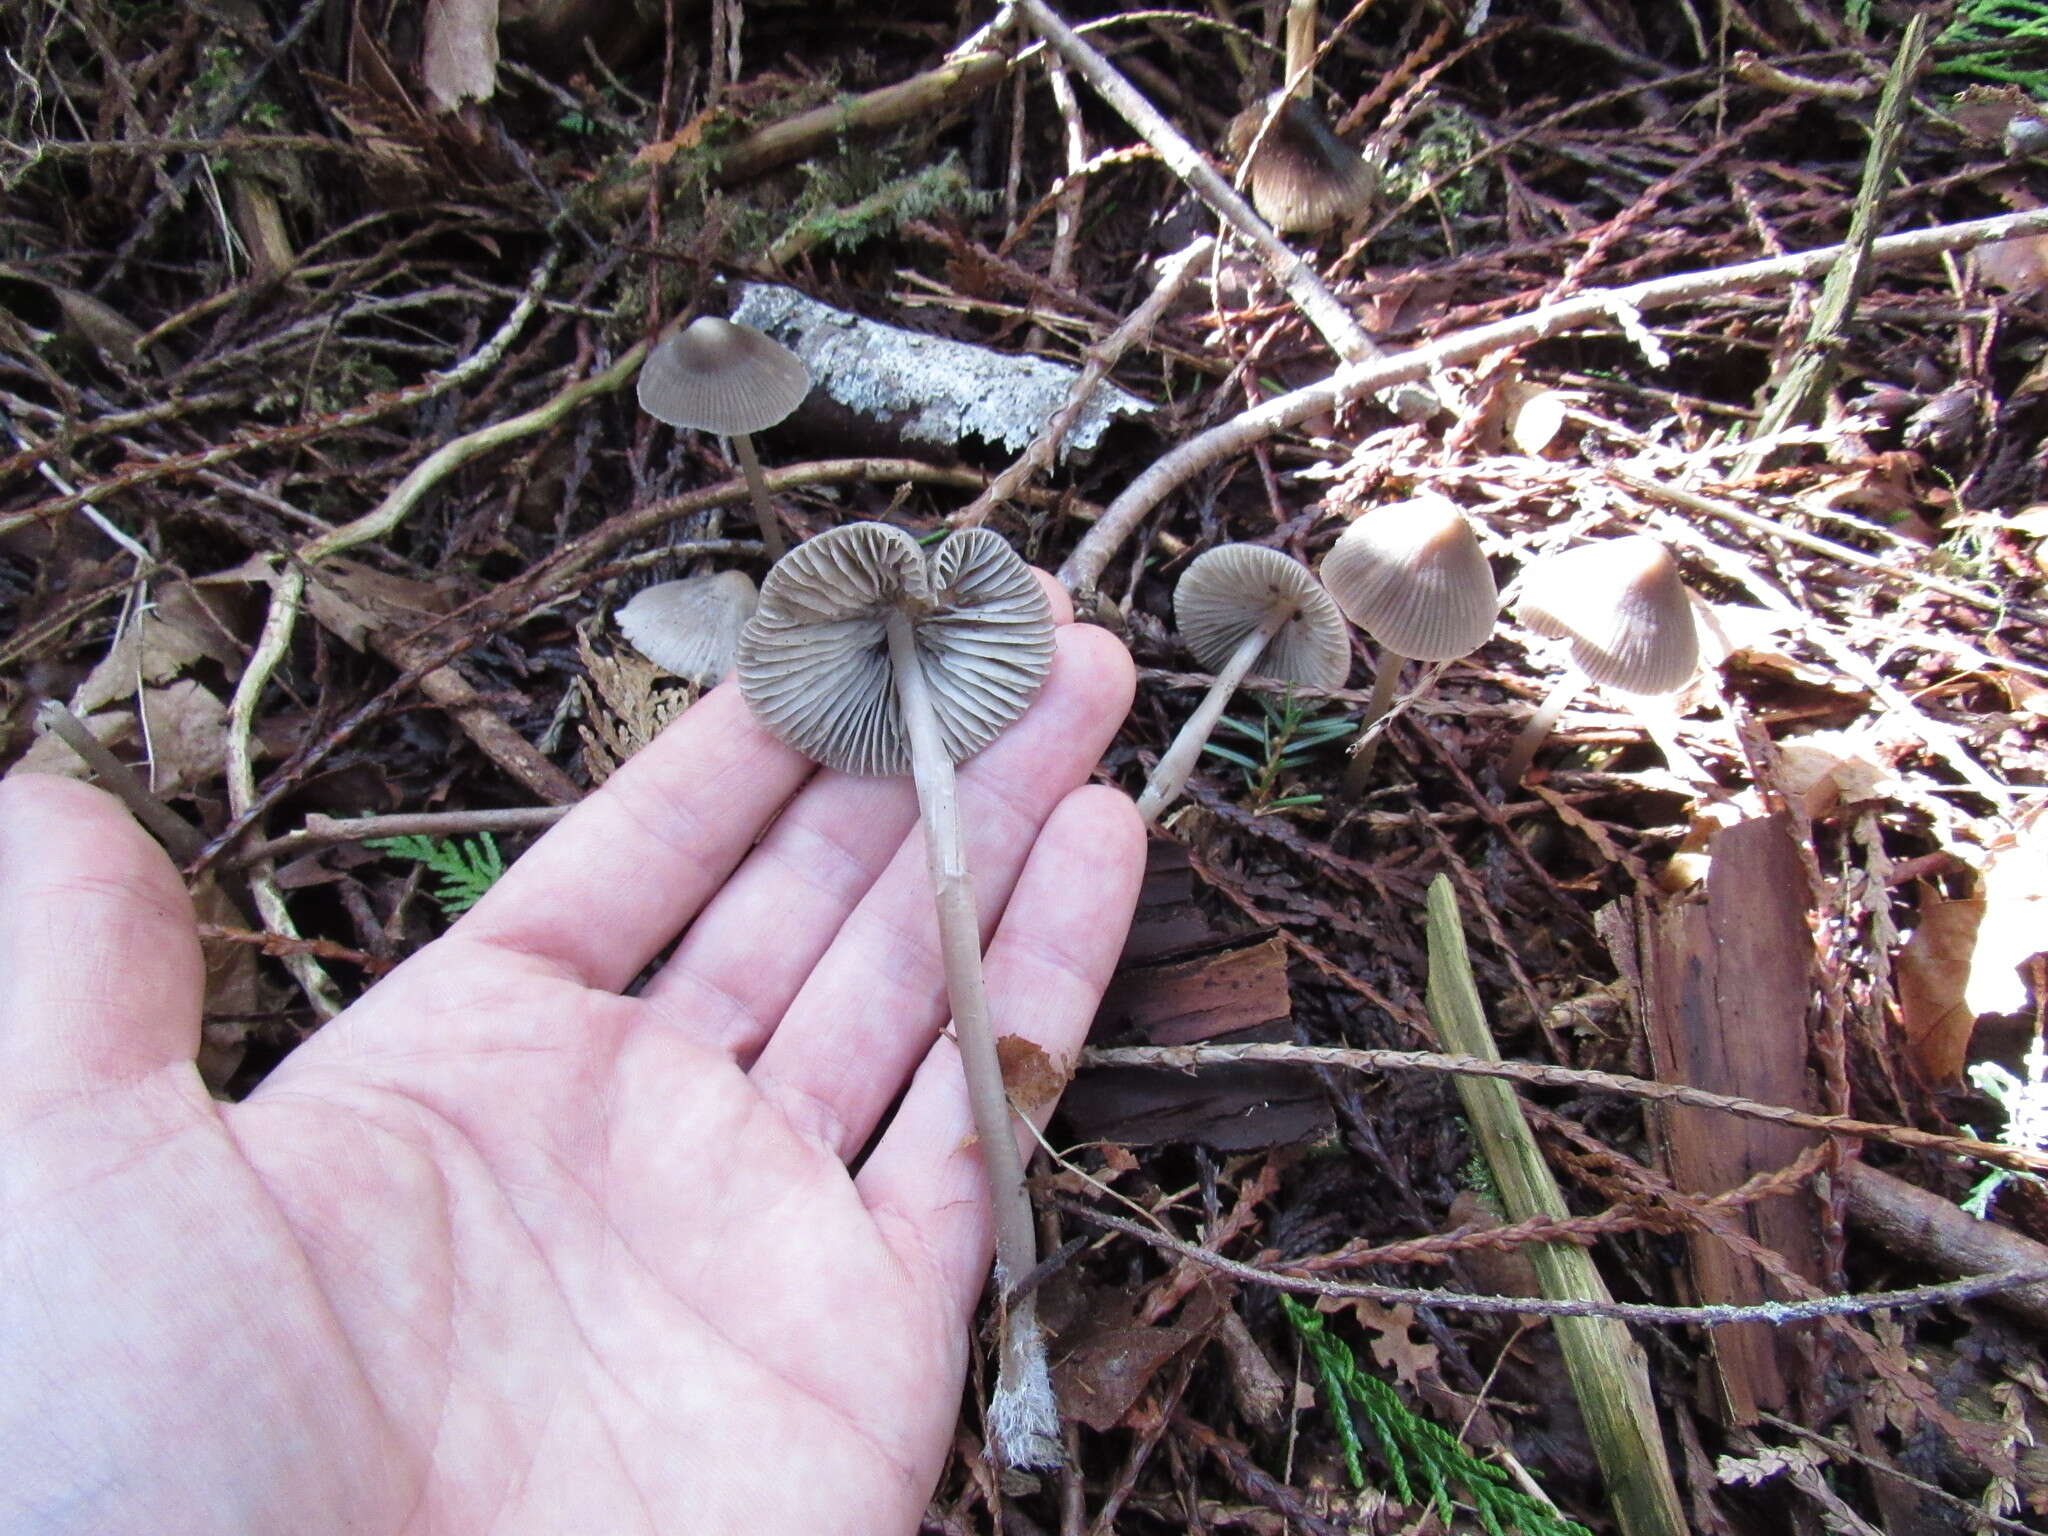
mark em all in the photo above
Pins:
pixel 1823 769
pixel 1034 1079
pixel 459 52
pixel 187 724
pixel 1933 971
pixel 1390 1327
pixel 1535 416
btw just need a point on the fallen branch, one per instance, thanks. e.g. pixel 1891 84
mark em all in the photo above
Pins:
pixel 1281 1276
pixel 1084 567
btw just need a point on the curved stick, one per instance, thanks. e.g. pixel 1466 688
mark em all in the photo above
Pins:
pixel 1171 774
pixel 1023 1416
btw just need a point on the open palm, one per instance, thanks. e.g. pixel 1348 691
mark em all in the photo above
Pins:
pixel 503 1249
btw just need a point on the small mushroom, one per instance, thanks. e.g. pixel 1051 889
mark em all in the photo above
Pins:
pixel 1303 178
pixel 1244 609
pixel 719 376
pixel 1627 617
pixel 690 627
pixel 872 658
pixel 1413 577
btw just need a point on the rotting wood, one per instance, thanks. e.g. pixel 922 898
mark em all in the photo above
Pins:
pixel 1722 988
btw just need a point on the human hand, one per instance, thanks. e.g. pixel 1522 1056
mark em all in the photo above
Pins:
pixel 501 1249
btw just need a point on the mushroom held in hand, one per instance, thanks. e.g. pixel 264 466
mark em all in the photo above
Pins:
pixel 690 627
pixel 1627 616
pixel 1413 577
pixel 871 658
pixel 719 376
pixel 1244 609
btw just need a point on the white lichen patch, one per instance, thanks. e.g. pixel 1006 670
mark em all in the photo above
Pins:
pixel 928 388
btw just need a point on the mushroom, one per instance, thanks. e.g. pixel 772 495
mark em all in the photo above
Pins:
pixel 1413 577
pixel 1627 616
pixel 719 376
pixel 872 658
pixel 690 627
pixel 1303 178
pixel 1245 609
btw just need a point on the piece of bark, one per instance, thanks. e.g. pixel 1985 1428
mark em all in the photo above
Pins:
pixel 1189 1000
pixel 1917 1224
pixel 1232 1109
pixel 1723 986
pixel 1167 922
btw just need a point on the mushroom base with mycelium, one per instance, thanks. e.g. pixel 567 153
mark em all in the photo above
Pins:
pixel 871 658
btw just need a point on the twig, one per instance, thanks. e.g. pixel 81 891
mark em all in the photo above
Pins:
pixel 180 838
pixel 1186 1058
pixel 327 831
pixel 270 648
pixel 1802 388
pixel 1099 360
pixel 1890 570
pixel 1325 311
pixel 921 96
pixel 1084 567
pixel 1282 1277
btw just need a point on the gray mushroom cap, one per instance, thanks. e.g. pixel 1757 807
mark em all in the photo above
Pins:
pixel 1303 177
pixel 814 660
pixel 1624 609
pixel 1226 593
pixel 1412 575
pixel 720 376
pixel 690 627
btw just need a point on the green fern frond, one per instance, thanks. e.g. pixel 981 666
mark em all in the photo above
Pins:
pixel 467 866
pixel 1416 1451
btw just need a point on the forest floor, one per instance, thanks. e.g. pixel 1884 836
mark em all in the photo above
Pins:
pixel 324 480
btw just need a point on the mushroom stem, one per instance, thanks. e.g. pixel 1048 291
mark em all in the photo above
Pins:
pixel 1301 46
pixel 1023 1416
pixel 764 509
pixel 1540 725
pixel 1367 748
pixel 1171 773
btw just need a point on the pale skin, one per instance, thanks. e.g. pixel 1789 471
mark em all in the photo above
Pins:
pixel 502 1249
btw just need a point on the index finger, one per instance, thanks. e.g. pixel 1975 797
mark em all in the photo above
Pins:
pixel 604 891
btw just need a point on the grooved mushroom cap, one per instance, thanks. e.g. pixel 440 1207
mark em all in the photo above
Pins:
pixel 719 376
pixel 1303 178
pixel 1623 607
pixel 690 627
pixel 814 659
pixel 1225 593
pixel 1413 577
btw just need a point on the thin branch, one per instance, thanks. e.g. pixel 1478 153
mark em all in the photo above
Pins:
pixel 1280 1277
pixel 1084 567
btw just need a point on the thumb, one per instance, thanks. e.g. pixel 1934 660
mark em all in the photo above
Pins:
pixel 100 973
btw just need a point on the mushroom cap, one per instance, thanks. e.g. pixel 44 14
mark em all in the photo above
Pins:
pixel 1623 607
pixel 1412 575
pixel 814 660
pixel 690 627
pixel 1227 591
pixel 720 376
pixel 1304 178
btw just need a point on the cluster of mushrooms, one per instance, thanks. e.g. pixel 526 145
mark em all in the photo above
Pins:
pixel 871 654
